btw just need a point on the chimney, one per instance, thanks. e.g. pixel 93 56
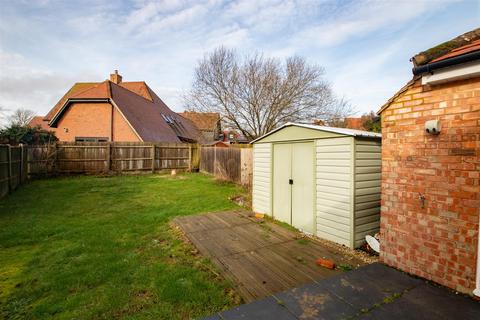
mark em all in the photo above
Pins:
pixel 115 77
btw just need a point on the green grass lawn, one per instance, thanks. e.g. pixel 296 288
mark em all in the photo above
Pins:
pixel 102 248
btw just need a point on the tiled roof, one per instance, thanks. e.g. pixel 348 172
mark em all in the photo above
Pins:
pixel 75 89
pixel 471 47
pixel 203 120
pixel 441 50
pixel 139 87
pixel 38 121
pixel 148 115
pixel 354 123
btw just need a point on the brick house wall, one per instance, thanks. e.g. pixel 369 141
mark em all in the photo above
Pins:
pixel 438 240
pixel 94 120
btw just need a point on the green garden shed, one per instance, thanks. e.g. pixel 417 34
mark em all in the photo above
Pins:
pixel 324 181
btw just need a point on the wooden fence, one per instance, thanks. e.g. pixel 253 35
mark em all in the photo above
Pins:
pixel 17 163
pixel 13 168
pixel 233 164
pixel 98 157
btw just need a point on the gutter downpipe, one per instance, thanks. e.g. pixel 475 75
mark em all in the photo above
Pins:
pixel 446 63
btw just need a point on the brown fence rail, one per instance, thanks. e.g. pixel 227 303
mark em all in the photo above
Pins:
pixel 98 157
pixel 13 168
pixel 233 164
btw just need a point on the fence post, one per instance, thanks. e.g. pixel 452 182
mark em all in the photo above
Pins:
pixel 9 160
pixel 153 158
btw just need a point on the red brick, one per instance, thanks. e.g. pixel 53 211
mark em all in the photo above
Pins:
pixel 439 241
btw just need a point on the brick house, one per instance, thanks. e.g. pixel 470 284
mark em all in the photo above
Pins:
pixel 208 123
pixel 430 181
pixel 114 110
pixel 232 136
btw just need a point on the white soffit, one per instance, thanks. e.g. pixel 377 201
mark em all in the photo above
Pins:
pixel 458 72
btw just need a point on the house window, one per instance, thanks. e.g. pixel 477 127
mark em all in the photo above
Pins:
pixel 230 136
pixel 91 139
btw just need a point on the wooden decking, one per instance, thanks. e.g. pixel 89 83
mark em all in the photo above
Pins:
pixel 260 257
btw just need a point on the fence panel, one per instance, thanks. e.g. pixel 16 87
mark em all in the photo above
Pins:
pixel 172 156
pixel 207 159
pixel 4 170
pixel 233 164
pixel 98 157
pixel 13 168
pixel 40 159
pixel 132 157
pixel 81 157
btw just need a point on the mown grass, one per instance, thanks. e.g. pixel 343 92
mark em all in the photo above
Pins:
pixel 102 248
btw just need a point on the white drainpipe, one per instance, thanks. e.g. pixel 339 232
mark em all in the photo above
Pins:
pixel 477 280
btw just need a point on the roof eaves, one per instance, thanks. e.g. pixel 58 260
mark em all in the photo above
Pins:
pixel 397 94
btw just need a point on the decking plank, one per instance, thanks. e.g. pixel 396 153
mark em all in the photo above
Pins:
pixel 259 256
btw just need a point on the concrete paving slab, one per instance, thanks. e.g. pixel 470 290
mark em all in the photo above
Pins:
pixel 264 309
pixel 314 301
pixel 370 292
pixel 388 278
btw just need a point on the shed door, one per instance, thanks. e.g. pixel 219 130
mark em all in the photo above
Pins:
pixel 303 187
pixel 282 169
pixel 293 185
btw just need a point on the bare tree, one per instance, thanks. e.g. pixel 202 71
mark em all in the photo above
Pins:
pixel 257 94
pixel 21 117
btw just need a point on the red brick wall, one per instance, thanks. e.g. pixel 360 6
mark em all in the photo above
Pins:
pixel 93 120
pixel 437 241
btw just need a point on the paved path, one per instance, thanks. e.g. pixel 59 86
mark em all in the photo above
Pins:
pixel 370 292
pixel 260 257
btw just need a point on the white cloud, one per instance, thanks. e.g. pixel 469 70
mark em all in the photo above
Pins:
pixel 363 17
pixel 42 55
pixel 24 85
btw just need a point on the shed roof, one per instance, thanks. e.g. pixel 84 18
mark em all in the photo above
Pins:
pixel 342 131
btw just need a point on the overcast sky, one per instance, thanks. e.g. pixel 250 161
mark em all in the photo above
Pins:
pixel 364 46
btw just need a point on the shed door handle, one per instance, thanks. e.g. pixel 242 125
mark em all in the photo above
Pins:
pixel 290 181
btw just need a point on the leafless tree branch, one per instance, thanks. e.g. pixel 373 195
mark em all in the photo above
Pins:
pixel 256 94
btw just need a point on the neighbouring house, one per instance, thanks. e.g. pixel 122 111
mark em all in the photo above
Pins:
pixel 322 180
pixel 114 110
pixel 431 167
pixel 354 123
pixel 217 144
pixel 208 123
pixel 232 136
pixel 38 121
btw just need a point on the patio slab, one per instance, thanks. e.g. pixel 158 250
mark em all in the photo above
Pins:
pixel 259 256
pixel 370 292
